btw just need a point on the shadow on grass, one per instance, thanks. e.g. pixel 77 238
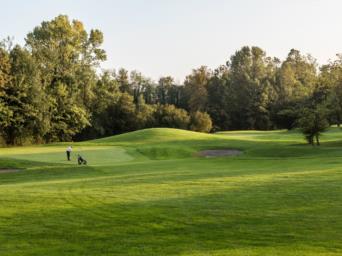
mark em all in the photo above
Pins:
pixel 279 214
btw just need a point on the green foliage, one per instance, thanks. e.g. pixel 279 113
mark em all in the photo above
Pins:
pixel 51 90
pixel 313 122
pixel 5 77
pixel 251 77
pixel 170 116
pixel 195 89
pixel 121 116
pixel 200 122
pixel 297 77
pixel 296 81
pixel 106 96
pixel 69 55
pixel 144 114
pixel 288 116
pixel 331 82
pixel 22 98
pixel 167 92
pixel 220 99
pixel 4 67
pixel 122 79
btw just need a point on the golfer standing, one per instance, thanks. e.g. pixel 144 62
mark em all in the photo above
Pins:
pixel 68 152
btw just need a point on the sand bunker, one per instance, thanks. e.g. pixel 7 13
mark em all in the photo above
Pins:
pixel 220 152
pixel 7 170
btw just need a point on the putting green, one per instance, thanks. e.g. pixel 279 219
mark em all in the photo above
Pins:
pixel 95 155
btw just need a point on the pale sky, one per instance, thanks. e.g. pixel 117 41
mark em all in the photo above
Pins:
pixel 171 37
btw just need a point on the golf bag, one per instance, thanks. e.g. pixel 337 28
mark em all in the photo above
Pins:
pixel 81 160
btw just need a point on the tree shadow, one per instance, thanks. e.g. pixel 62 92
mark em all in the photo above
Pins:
pixel 282 213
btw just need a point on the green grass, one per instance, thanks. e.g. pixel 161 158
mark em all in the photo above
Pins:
pixel 147 193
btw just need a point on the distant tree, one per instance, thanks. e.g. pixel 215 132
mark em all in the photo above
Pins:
pixel 51 90
pixel 23 97
pixel 122 78
pixel 312 122
pixel 139 84
pixel 150 94
pixel 170 116
pixel 195 89
pixel 144 114
pixel 251 76
pixel 220 99
pixel 297 76
pixel 106 96
pixel 5 77
pixel 163 89
pixel 330 82
pixel 121 117
pixel 334 102
pixel 200 122
pixel 296 82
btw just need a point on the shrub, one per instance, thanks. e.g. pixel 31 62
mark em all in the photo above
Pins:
pixel 172 117
pixel 200 122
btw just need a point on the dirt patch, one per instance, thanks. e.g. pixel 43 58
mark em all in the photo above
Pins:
pixel 7 170
pixel 220 152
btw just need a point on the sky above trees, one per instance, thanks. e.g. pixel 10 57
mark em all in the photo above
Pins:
pixel 172 37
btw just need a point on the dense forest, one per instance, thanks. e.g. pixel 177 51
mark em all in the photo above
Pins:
pixel 51 90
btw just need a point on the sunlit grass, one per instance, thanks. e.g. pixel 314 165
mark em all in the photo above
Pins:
pixel 147 193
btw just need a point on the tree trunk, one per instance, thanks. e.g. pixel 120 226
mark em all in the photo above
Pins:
pixel 338 120
pixel 310 140
pixel 317 139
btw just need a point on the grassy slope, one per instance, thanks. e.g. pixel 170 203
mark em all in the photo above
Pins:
pixel 145 193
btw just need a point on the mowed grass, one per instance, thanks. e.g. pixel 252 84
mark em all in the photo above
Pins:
pixel 148 193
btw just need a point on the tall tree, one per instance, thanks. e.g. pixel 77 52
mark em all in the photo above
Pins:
pixel 121 116
pixel 164 89
pixel 251 79
pixel 297 76
pixel 122 78
pixel 296 81
pixel 330 84
pixel 106 96
pixel 313 121
pixel 24 98
pixel 5 77
pixel 144 114
pixel 67 55
pixel 139 83
pixel 195 89
pixel 220 97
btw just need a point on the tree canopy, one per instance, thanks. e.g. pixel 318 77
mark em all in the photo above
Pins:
pixel 51 89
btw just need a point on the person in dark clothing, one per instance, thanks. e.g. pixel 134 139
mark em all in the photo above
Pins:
pixel 68 152
pixel 81 160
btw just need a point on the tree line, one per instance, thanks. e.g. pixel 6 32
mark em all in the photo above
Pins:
pixel 51 90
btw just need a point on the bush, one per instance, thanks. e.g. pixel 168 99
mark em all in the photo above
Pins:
pixel 313 122
pixel 172 117
pixel 200 122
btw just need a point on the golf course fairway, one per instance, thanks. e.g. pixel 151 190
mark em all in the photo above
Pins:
pixel 149 192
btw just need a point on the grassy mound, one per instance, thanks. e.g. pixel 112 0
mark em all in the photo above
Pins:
pixel 153 135
pixel 161 143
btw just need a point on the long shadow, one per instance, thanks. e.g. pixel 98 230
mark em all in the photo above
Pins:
pixel 280 214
